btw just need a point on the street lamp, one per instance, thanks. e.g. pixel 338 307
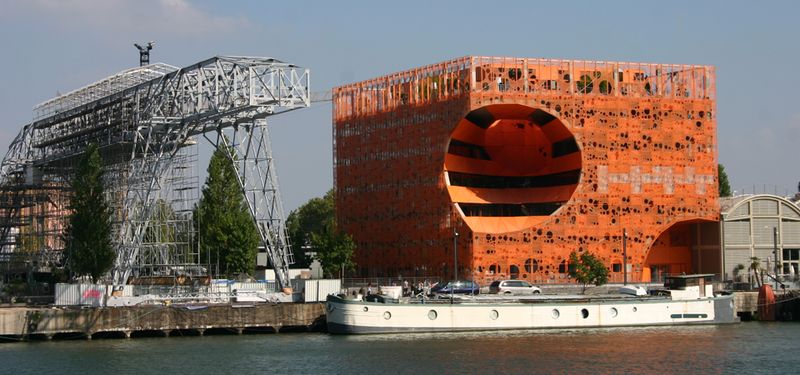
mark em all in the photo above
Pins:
pixel 455 262
pixel 455 253
pixel 624 257
pixel 775 252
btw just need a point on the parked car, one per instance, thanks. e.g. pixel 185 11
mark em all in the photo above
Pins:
pixel 457 287
pixel 513 287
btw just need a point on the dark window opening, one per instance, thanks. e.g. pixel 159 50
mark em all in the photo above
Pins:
pixel 565 147
pixel 525 209
pixel 585 84
pixel 616 267
pixel 541 118
pixel 531 265
pixel 605 87
pixel 468 150
pixel 480 117
pixel 510 182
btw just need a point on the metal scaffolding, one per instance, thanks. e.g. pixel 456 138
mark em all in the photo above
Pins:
pixel 146 121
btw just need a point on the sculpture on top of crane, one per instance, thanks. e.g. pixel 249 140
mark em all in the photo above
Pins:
pixel 144 52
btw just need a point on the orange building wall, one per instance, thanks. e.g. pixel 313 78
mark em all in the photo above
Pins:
pixel 528 160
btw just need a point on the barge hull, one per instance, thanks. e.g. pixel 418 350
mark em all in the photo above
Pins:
pixel 357 317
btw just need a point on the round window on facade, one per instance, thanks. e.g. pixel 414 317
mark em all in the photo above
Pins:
pixel 366 308
pixel 613 312
pixel 634 309
pixel 432 315
pixel 387 315
pixel 555 314
pixel 584 313
pixel 494 314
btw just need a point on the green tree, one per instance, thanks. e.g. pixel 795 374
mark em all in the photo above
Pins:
pixel 724 185
pixel 161 228
pixel 587 269
pixel 334 251
pixel 89 227
pixel 314 224
pixel 227 232
pixel 315 216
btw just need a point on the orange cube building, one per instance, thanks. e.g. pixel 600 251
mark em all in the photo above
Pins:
pixel 518 162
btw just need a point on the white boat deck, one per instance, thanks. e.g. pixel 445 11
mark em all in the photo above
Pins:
pixel 498 299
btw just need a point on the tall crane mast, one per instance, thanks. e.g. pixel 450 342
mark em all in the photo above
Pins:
pixel 145 116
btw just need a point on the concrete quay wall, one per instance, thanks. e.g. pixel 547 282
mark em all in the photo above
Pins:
pixel 745 304
pixel 22 322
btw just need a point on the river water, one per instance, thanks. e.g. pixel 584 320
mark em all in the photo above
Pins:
pixel 746 348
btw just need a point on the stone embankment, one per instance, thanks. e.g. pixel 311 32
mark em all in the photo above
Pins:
pixel 22 323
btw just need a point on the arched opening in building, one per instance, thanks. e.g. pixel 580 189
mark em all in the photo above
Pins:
pixel 510 166
pixel 684 247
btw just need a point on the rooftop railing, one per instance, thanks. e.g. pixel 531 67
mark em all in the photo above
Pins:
pixel 522 76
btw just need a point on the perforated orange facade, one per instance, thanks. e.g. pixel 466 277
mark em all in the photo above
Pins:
pixel 527 160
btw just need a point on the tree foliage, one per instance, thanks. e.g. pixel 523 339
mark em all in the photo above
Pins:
pixel 89 227
pixel 587 269
pixel 315 216
pixel 334 251
pixel 314 224
pixel 227 232
pixel 161 228
pixel 724 185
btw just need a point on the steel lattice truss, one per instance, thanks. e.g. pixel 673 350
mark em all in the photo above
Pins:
pixel 141 123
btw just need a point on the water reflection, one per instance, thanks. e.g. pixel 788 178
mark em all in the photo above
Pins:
pixel 615 332
pixel 743 348
pixel 574 350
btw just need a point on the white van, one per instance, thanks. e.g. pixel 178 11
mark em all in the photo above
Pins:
pixel 513 287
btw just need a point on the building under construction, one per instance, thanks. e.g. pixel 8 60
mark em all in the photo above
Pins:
pixel 147 122
pixel 510 164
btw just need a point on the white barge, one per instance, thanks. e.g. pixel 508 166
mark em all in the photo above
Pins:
pixel 689 299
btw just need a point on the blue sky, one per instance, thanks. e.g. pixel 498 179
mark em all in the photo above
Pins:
pixel 59 45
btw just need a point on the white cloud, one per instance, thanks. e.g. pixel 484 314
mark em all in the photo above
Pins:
pixel 178 17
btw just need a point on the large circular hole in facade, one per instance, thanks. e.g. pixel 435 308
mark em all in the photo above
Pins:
pixel 511 160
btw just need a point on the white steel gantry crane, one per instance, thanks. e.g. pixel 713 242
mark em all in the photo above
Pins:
pixel 144 116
